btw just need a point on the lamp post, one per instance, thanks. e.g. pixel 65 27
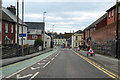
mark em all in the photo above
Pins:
pixel 116 55
pixel 44 29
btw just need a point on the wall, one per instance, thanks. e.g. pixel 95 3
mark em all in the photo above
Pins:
pixel 9 34
pixel 103 40
pixel 20 31
pixel 101 24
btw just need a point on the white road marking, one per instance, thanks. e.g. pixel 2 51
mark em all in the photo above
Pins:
pixel 46 64
pixel 27 67
pixel 18 76
pixel 34 76
pixel 44 60
pixel 35 68
pixel 41 63
pixel 52 59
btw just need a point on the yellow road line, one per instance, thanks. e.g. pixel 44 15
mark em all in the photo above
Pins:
pixel 112 75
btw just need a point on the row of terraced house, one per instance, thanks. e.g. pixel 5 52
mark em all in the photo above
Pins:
pixel 101 34
pixel 8 29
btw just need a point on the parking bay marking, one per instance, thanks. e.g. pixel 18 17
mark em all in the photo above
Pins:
pixel 18 76
pixel 46 64
pixel 34 76
pixel 35 68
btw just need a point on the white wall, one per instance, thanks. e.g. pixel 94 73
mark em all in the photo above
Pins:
pixel 20 31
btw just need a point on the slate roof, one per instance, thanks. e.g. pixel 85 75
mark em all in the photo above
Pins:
pixel 60 36
pixel 11 15
pixel 96 22
pixel 113 7
pixel 35 25
pixel 5 17
pixel 79 31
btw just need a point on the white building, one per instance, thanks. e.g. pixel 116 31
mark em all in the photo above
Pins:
pixel 47 41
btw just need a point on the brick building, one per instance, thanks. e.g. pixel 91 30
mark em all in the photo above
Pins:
pixel 35 30
pixel 7 30
pixel 10 13
pixel 99 23
pixel 103 38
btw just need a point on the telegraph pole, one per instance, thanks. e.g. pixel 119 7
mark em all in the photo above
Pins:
pixel 116 54
pixel 22 25
pixel 17 26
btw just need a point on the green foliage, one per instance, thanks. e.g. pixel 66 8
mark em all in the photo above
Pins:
pixel 38 42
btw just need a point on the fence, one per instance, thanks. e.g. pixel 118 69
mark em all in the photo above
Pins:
pixel 9 52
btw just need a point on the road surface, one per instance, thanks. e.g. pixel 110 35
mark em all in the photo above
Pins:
pixel 64 63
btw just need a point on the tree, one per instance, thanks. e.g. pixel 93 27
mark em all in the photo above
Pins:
pixel 38 42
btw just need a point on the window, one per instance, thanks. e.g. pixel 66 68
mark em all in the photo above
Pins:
pixel 11 41
pixel 34 37
pixel 0 27
pixel 6 28
pixel 112 12
pixel 109 14
pixel 76 38
pixel 11 28
pixel 76 44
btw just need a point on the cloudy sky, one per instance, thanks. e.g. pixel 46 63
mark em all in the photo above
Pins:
pixel 66 15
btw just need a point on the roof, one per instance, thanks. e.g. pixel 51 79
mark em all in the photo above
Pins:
pixel 79 31
pixel 35 25
pixel 5 17
pixel 12 16
pixel 113 7
pixel 67 35
pixel 60 36
pixel 96 22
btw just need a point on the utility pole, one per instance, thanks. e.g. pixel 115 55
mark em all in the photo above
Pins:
pixel 22 26
pixel 17 26
pixel 52 36
pixel 116 55
pixel 44 29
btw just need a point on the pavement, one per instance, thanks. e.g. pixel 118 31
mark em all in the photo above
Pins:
pixel 5 62
pixel 112 64
pixel 61 64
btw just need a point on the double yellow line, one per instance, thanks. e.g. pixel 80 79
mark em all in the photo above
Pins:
pixel 112 75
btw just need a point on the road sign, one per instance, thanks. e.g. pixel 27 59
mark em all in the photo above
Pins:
pixel 22 35
pixel 90 51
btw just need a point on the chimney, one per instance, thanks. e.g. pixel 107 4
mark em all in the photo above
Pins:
pixel 12 9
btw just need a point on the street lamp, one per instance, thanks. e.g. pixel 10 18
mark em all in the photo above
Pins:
pixel 44 29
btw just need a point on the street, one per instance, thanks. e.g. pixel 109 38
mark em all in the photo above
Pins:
pixel 64 63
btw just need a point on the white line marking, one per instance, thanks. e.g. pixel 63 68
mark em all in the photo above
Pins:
pixel 41 63
pixel 34 76
pixel 44 60
pixel 52 59
pixel 35 68
pixel 27 67
pixel 18 76
pixel 46 64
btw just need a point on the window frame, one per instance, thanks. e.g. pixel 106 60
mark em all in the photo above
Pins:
pixel 6 28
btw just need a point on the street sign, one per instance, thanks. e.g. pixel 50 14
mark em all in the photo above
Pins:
pixel 90 51
pixel 22 35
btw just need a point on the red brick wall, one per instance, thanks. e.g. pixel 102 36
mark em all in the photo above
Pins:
pixel 101 24
pixel 104 34
pixel 29 37
pixel 112 19
pixel 9 34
